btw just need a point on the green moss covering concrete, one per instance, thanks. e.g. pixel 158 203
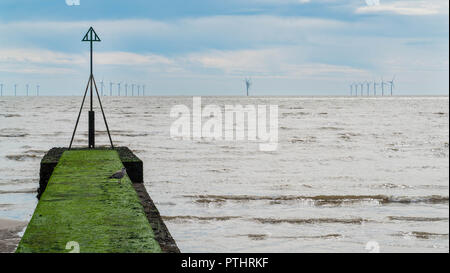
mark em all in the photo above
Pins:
pixel 133 164
pixel 81 204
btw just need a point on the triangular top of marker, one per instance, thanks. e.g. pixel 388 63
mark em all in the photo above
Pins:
pixel 91 36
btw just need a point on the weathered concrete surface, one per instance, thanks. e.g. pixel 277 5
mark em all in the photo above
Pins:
pixel 48 163
pixel 81 204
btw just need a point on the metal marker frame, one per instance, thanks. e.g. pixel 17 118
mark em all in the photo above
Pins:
pixel 91 36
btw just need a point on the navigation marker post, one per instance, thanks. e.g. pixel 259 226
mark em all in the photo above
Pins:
pixel 91 36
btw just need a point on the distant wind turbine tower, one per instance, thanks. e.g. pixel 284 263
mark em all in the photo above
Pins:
pixel 110 89
pixel 15 89
pixel 362 88
pixel 37 90
pixel 139 90
pixel 351 89
pixel 382 87
pixel 27 86
pixel 143 90
pixel 126 89
pixel 1 89
pixel 132 89
pixel 118 88
pixel 248 84
pixel 391 82
pixel 374 88
pixel 101 87
pixel 368 88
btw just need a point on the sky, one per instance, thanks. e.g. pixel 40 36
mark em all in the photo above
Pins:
pixel 208 47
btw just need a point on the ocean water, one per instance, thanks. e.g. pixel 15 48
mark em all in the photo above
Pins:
pixel 348 174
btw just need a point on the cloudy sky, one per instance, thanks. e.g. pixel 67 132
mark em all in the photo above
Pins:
pixel 207 47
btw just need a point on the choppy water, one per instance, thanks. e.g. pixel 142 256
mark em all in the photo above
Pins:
pixel 347 171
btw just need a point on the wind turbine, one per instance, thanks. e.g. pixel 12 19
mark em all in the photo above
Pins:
pixel 248 83
pixel 37 90
pixel 143 90
pixel 118 85
pixel 375 88
pixel 382 87
pixel 362 88
pixel 139 90
pixel 351 89
pixel 356 89
pixel 368 88
pixel 101 87
pixel 110 88
pixel 392 84
pixel 126 89
pixel 1 89
pixel 15 89
pixel 27 85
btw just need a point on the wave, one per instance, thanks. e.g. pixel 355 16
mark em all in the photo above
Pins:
pixel 22 157
pixel 432 199
pixel 390 186
pixel 12 133
pixel 257 237
pixel 119 133
pixel 32 153
pixel 18 191
pixel 312 221
pixel 421 235
pixel 223 170
pixel 416 219
pixel 332 128
pixel 200 218
pixel 298 221
pixel 309 139
pixel 295 114
pixel 404 186
pixel 440 113
pixel 10 115
pixel 347 136
pixel 324 199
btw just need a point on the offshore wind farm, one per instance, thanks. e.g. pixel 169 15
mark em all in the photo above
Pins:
pixel 372 91
pixel 366 88
pixel 34 90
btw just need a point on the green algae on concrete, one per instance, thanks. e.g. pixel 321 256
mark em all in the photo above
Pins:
pixel 81 204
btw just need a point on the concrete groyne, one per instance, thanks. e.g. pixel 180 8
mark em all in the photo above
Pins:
pixel 79 205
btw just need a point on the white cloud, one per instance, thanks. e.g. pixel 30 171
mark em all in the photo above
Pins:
pixel 44 56
pixel 283 62
pixel 408 7
pixel 39 56
pixel 239 30
pixel 128 58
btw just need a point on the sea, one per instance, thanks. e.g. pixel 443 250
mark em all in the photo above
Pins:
pixel 349 174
